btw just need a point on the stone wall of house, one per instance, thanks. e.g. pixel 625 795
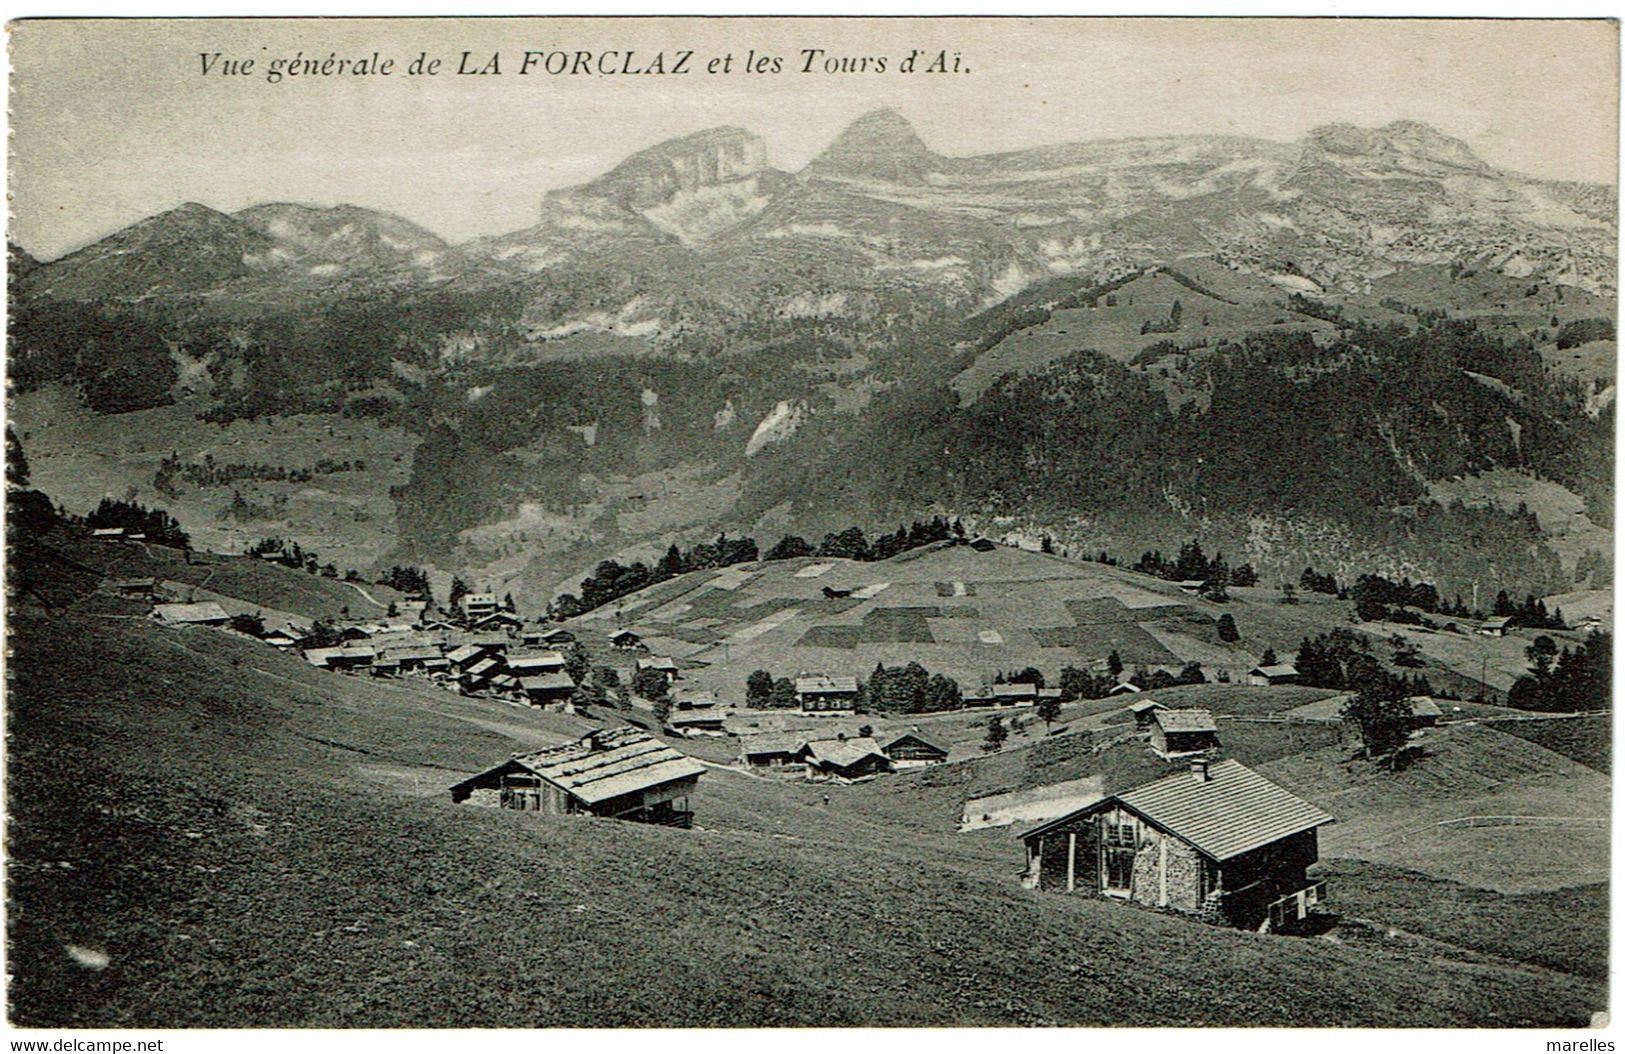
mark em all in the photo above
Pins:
pixel 489 797
pixel 1159 854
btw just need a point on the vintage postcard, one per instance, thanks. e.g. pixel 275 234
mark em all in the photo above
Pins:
pixel 752 522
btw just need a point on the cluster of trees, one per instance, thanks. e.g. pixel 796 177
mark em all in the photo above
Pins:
pixel 1340 659
pixel 1312 581
pixel 1193 565
pixel 910 689
pixel 764 692
pixel 291 554
pixel 119 361
pixel 159 526
pixel 1568 680
pixel 1378 599
pixel 1584 330
pixel 1531 612
pixel 172 470
pixel 612 580
pixel 602 686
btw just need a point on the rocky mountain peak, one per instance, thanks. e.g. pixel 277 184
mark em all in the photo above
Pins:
pixel 1409 144
pixel 880 144
pixel 653 176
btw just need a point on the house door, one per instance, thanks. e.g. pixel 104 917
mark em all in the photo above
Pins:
pixel 1117 845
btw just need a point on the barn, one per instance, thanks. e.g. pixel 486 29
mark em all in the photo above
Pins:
pixel 704 722
pixel 547 689
pixel 1267 676
pixel 207 613
pixel 625 639
pixel 912 750
pixel 1219 842
pixel 620 773
pixel 772 751
pixel 1177 732
pixel 1144 710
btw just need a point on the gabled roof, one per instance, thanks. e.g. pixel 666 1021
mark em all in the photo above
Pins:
pixel 1498 622
pixel 134 583
pixel 1233 811
pixel 323 656
pixel 919 737
pixel 483 668
pixel 464 652
pixel 207 611
pixel 657 662
pixel 1280 669
pixel 1424 706
pixel 622 634
pixel 773 742
pixel 1125 688
pixel 843 753
pixel 822 683
pixel 547 660
pixel 1185 720
pixel 1140 706
pixel 694 717
pixel 547 682
pixel 1020 690
pixel 608 763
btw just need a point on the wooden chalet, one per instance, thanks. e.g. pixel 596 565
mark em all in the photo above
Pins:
pixel 913 750
pixel 710 721
pixel 207 613
pixel 978 697
pixel 619 773
pixel 1144 710
pixel 505 621
pixel 625 639
pixel 1425 712
pixel 134 588
pixel 844 759
pixel 547 689
pixel 480 674
pixel 1125 688
pixel 772 751
pixel 535 665
pixel 1019 694
pixel 1268 676
pixel 348 657
pixel 822 694
pixel 665 667
pixel 555 637
pixel 473 606
pixel 466 655
pixel 1219 842
pixel 1495 627
pixel 1175 733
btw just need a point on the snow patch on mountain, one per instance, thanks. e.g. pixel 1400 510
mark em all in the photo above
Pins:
pixel 780 424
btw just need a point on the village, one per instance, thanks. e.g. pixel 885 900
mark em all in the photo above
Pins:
pixel 1203 835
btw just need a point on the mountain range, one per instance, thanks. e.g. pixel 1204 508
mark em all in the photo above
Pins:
pixel 858 340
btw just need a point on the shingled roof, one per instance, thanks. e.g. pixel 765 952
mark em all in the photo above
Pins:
pixel 1232 811
pixel 843 753
pixel 1185 720
pixel 819 683
pixel 607 763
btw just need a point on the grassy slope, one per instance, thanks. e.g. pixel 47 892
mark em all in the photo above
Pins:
pixel 256 842
pixel 1588 740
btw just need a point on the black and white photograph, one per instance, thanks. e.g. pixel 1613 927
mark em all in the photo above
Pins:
pixel 828 522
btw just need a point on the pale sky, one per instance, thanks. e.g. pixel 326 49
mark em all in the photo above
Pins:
pixel 112 121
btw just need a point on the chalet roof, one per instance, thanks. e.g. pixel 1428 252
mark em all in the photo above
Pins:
pixel 1015 691
pixel 411 653
pixel 106 532
pixel 547 660
pixel 464 652
pixel 919 737
pixel 322 656
pixel 488 640
pixel 843 753
pixel 1280 669
pixel 483 668
pixel 976 694
pixel 207 611
pixel 499 616
pixel 1124 689
pixel 657 662
pixel 819 683
pixel 1499 622
pixel 560 634
pixel 546 682
pixel 1233 811
pixel 773 742
pixel 694 717
pixel 1140 706
pixel 608 763
pixel 623 634
pixel 134 583
pixel 1424 706
pixel 1185 720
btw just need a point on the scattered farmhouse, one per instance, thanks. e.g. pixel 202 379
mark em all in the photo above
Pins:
pixel 1178 732
pixel 1125 688
pixel 528 665
pixel 772 751
pixel 619 773
pixel 1019 694
pixel 134 588
pixel 1220 842
pixel 912 750
pixel 625 639
pixel 665 667
pixel 844 759
pixel 556 637
pixel 546 689
pixel 1425 712
pixel 498 620
pixel 1267 676
pixel 710 721
pixel 822 694
pixel 348 657
pixel 474 606
pixel 207 613
pixel 1495 627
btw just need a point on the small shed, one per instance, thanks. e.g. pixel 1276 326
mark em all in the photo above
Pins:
pixel 844 759
pixel 708 722
pixel 1495 627
pixel 1425 711
pixel 621 773
pixel 913 749
pixel 134 588
pixel 1268 676
pixel 822 694
pixel 1144 710
pixel 1179 732
pixel 1220 842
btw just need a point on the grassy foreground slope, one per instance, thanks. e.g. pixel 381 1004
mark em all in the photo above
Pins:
pixel 250 841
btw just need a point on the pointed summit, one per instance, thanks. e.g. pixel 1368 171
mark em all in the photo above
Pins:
pixel 1410 145
pixel 879 145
